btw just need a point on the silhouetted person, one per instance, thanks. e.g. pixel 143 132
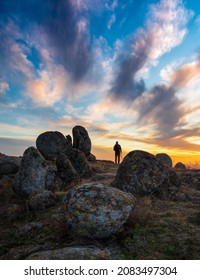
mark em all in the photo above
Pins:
pixel 117 148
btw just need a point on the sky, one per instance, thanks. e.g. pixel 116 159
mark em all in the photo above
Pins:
pixel 127 71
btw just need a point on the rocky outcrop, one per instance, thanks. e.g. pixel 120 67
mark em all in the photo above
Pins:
pixel 39 200
pixel 165 159
pixel 35 173
pixel 190 177
pixel 180 166
pixel 66 171
pixel 80 163
pixel 69 145
pixel 81 140
pixel 9 165
pixel 142 173
pixel 51 144
pixel 97 211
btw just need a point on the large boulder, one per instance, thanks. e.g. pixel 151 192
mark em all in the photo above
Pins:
pixel 142 173
pixel 34 174
pixel 66 170
pixel 165 159
pixel 97 211
pixel 72 253
pixel 9 165
pixel 51 144
pixel 80 163
pixel 81 140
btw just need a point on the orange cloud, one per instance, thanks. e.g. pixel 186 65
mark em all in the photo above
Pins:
pixel 49 88
pixel 185 74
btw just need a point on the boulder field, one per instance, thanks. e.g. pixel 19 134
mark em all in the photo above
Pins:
pixel 83 204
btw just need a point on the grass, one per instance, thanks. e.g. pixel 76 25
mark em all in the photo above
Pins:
pixel 168 230
pixel 156 229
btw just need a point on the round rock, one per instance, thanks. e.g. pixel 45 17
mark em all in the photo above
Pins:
pixel 180 166
pixel 165 159
pixel 51 144
pixel 142 173
pixel 97 211
pixel 9 165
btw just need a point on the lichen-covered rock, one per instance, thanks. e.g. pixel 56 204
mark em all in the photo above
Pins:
pixel 51 144
pixel 142 173
pixel 97 211
pixel 80 163
pixel 34 174
pixel 41 199
pixel 81 140
pixel 9 165
pixel 66 170
pixel 180 166
pixel 165 159
pixel 72 253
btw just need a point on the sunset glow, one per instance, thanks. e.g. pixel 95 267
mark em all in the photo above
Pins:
pixel 127 71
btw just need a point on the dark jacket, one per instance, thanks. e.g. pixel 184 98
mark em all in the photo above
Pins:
pixel 117 148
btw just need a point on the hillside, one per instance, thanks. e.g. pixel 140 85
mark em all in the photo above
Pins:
pixel 156 228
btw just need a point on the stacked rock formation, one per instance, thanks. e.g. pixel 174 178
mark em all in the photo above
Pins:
pixel 55 164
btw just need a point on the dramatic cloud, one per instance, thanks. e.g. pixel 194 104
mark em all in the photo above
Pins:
pixel 13 53
pixel 67 33
pixel 162 107
pixel 48 89
pixel 64 30
pixel 164 30
pixel 87 62
pixel 185 74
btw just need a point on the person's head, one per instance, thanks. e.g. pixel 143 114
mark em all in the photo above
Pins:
pixel 116 142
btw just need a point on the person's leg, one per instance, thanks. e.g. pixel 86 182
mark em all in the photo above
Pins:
pixel 115 157
pixel 119 159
